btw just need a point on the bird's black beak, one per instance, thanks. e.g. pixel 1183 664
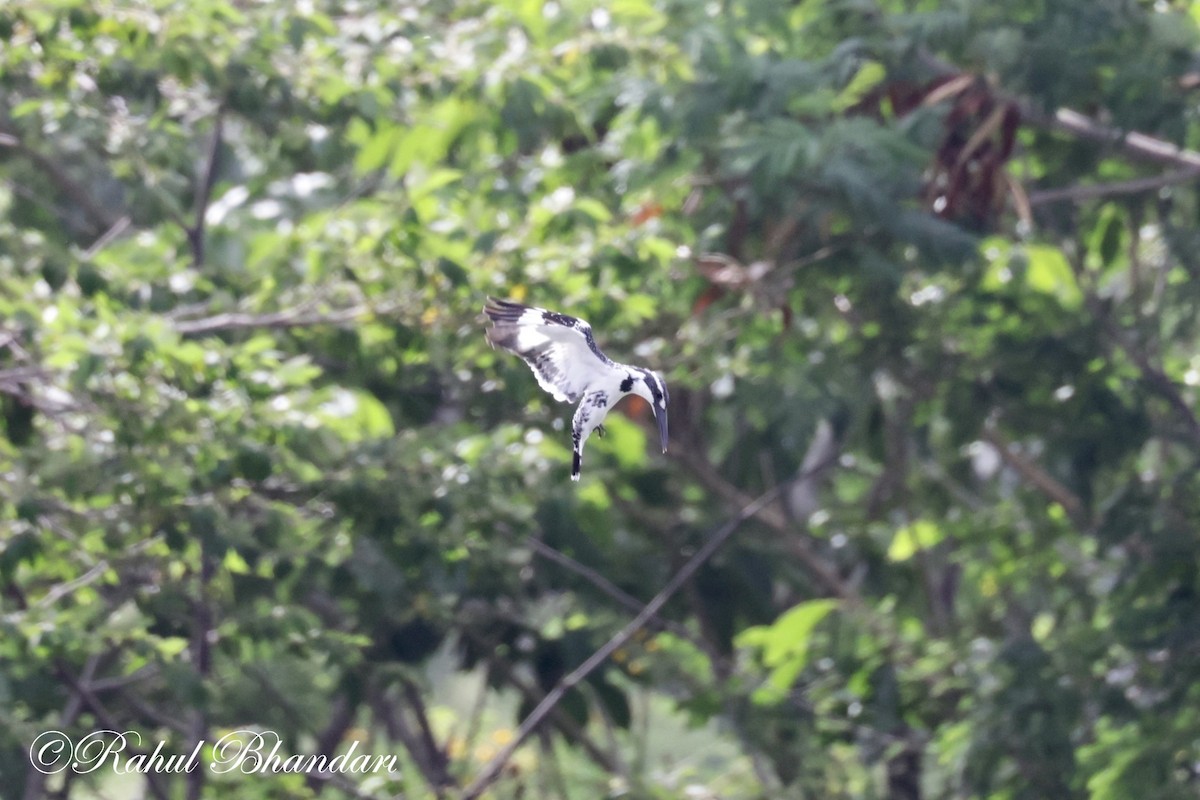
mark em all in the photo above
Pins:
pixel 660 414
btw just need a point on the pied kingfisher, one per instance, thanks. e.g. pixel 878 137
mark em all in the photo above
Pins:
pixel 567 363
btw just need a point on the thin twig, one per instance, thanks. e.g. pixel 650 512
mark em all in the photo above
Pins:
pixel 771 516
pixel 559 717
pixel 291 318
pixel 1132 143
pixel 99 217
pixel 340 719
pixel 606 587
pixel 1043 481
pixel 63 589
pixel 398 729
pixel 1095 191
pixel 83 689
pixel 201 649
pixel 35 780
pixel 106 238
pixel 437 755
pixel 204 189
pixel 492 769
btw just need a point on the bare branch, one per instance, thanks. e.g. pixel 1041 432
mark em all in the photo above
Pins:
pixel 108 236
pixel 35 780
pixel 340 720
pixel 1095 191
pixel 204 188
pixel 152 713
pixel 101 218
pixel 437 756
pixel 64 589
pixel 83 688
pixel 1125 341
pixel 1136 144
pixel 201 651
pixel 1033 473
pixel 487 776
pixel 398 729
pixel 565 722
pixel 606 587
pixel 291 318
pixel 1132 143
pixel 772 517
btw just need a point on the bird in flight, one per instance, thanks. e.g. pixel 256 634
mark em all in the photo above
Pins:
pixel 567 363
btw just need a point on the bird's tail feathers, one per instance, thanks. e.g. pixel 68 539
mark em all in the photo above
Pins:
pixel 503 310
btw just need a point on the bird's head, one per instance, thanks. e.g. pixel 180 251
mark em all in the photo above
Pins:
pixel 653 389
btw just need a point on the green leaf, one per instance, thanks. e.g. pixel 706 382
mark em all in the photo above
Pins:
pixel 1049 272
pixel 624 439
pixel 354 414
pixel 378 149
pixel 790 633
pixel 784 645
pixel 869 75
pixel 920 535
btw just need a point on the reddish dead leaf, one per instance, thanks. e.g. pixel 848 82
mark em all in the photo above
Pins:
pixel 645 213
pixel 709 296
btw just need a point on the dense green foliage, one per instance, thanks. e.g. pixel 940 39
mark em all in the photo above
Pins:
pixel 259 468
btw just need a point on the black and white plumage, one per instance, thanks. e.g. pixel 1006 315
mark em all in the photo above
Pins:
pixel 567 363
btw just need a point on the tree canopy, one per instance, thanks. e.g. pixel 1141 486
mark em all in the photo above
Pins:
pixel 921 278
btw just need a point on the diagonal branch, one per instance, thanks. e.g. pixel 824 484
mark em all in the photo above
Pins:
pixel 1132 143
pixel 341 717
pixel 487 776
pixel 35 779
pixel 204 188
pixel 398 729
pixel 437 755
pixel 99 217
pixel 290 318
pixel 83 689
pixel 606 587
pixel 564 721
pixel 1032 473
pixel 774 518
pixel 1139 145
pixel 1095 191
pixel 203 625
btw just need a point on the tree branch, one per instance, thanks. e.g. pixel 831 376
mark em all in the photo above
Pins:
pixel 340 720
pixel 1032 473
pixel 290 318
pixel 100 217
pixel 1134 144
pixel 1139 145
pixel 201 647
pixel 774 518
pixel 607 587
pixel 83 688
pixel 398 729
pixel 204 188
pixel 1095 191
pixel 106 238
pixel 437 756
pixel 487 776
pixel 35 780
pixel 565 722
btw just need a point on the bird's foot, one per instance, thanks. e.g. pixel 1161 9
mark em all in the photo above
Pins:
pixel 600 431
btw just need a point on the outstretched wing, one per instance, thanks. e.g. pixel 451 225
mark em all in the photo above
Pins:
pixel 559 349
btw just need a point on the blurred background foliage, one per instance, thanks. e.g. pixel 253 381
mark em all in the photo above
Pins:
pixel 925 269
